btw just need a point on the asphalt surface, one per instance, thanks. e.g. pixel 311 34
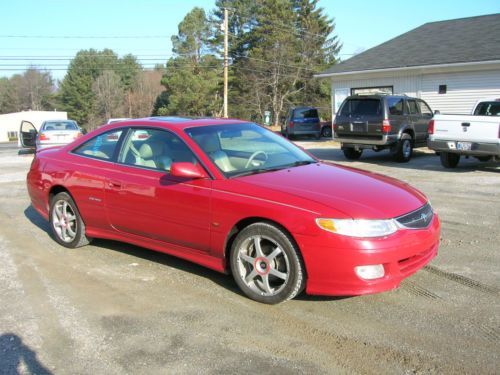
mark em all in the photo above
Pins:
pixel 112 308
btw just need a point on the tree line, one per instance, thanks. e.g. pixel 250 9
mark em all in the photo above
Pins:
pixel 275 48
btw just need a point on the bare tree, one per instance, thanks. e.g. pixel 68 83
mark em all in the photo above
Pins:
pixel 144 92
pixel 109 95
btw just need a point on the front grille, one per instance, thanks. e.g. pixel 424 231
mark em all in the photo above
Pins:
pixel 418 219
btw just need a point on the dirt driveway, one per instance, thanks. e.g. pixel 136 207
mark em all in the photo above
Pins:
pixel 112 308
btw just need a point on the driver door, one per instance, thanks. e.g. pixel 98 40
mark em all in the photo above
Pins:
pixel 27 134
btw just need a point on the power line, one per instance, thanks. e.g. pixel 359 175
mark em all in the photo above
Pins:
pixel 85 36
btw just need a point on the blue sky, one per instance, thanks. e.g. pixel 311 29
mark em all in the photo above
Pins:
pixel 360 25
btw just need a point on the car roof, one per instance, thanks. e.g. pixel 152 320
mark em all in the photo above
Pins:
pixel 176 121
pixel 380 96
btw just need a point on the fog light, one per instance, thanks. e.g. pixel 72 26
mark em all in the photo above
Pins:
pixel 371 272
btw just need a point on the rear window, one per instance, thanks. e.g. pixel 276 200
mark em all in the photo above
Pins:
pixel 488 109
pixel 306 113
pixel 60 125
pixel 366 107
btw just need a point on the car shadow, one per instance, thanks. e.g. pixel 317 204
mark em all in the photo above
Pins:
pixel 13 351
pixel 223 280
pixel 421 160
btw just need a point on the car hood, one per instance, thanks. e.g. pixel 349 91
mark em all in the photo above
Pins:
pixel 356 193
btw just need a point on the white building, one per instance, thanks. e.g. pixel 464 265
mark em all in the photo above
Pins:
pixel 10 122
pixel 450 64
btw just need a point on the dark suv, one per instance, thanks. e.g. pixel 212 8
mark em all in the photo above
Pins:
pixel 302 121
pixel 379 122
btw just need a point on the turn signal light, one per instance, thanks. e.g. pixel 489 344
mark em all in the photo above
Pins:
pixel 430 127
pixel 386 126
pixel 44 137
pixel 77 135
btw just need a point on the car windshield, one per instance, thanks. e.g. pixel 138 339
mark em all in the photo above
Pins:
pixel 243 149
pixel 60 125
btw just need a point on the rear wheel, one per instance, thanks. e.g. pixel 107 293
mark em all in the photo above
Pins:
pixel 66 223
pixel 351 153
pixel 449 160
pixel 266 264
pixel 404 149
pixel 326 132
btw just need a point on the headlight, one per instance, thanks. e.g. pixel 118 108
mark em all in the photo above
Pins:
pixel 358 228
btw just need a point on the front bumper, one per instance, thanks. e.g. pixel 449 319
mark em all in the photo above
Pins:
pixel 477 148
pixel 330 259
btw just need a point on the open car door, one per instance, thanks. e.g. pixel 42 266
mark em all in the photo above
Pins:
pixel 28 134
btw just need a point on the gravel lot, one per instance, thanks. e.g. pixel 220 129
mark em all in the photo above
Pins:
pixel 112 308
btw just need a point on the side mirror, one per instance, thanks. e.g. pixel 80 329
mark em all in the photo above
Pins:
pixel 187 170
pixel 437 112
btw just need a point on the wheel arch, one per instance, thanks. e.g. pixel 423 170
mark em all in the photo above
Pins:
pixel 408 130
pixel 245 222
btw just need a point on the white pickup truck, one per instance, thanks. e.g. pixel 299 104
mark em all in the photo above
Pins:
pixel 477 134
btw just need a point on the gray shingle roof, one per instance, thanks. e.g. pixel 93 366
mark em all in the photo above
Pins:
pixel 455 41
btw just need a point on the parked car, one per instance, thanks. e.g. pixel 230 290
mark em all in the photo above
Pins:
pixel 237 198
pixel 301 121
pixel 394 122
pixel 477 134
pixel 52 133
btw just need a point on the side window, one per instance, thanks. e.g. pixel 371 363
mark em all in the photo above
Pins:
pixel 412 107
pixel 425 110
pixel 102 146
pixel 395 106
pixel 154 148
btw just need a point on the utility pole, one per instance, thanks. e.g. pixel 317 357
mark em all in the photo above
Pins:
pixel 225 61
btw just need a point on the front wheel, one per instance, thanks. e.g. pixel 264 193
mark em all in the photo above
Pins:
pixel 449 160
pixel 484 158
pixel 66 223
pixel 266 264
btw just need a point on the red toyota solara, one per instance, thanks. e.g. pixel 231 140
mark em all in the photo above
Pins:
pixel 237 198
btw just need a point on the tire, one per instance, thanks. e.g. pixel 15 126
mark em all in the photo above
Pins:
pixel 326 132
pixel 404 149
pixel 66 223
pixel 351 153
pixel 449 160
pixel 266 264
pixel 484 158
pixel 288 135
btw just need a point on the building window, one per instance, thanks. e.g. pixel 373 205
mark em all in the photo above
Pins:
pixel 12 136
pixel 372 90
pixel 442 89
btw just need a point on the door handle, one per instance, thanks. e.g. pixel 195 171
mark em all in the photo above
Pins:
pixel 465 123
pixel 114 184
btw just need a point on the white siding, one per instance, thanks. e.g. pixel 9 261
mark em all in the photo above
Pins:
pixel 463 90
pixel 402 84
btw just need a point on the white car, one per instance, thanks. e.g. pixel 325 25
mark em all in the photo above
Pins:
pixel 51 133
pixel 477 134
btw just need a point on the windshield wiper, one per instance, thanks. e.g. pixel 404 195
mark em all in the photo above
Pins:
pixel 301 162
pixel 263 170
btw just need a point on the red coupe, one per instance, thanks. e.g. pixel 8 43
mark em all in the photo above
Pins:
pixel 237 198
